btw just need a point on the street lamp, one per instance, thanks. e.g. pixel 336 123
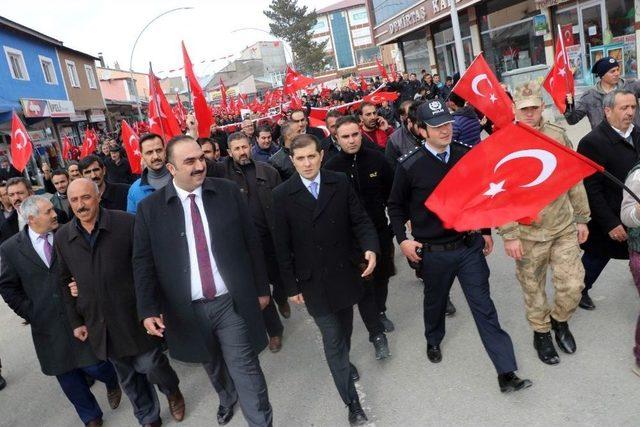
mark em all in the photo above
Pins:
pixel 267 32
pixel 134 48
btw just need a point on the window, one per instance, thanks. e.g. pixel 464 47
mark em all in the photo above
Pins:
pixel 48 70
pixel 16 63
pixel 73 73
pixel 91 77
pixel 385 9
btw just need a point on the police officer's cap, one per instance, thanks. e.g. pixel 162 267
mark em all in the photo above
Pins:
pixel 434 113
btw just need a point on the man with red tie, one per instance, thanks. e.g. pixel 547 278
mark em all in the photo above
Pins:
pixel 201 278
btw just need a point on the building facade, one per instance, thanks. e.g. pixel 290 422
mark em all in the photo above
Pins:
pixel 515 36
pixel 346 28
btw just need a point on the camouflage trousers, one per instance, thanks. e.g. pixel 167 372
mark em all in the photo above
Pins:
pixel 562 255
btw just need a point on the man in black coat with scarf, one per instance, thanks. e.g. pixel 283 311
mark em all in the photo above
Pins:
pixel 614 144
pixel 322 233
pixel 29 285
pixel 200 274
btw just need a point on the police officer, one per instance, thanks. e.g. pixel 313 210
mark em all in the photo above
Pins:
pixel 445 253
pixel 371 176
pixel 590 104
pixel 551 241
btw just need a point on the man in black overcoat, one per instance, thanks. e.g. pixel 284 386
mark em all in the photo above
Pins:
pixel 322 232
pixel 29 285
pixel 95 248
pixel 200 275
pixel 614 144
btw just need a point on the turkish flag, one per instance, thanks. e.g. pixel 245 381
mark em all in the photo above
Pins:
pixel 131 144
pixel 480 87
pixel 66 147
pixel 567 34
pixel 559 81
pixel 511 176
pixel 378 97
pixel 89 144
pixel 294 81
pixel 200 105
pixel 353 85
pixel 21 147
pixel 382 70
pixel 394 74
pixel 223 95
pixel 161 118
pixel 180 112
pixel 363 84
pixel 295 103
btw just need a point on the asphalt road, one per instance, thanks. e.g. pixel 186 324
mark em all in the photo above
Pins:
pixel 591 388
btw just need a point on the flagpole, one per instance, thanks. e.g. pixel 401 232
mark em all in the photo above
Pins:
pixel 564 55
pixel 155 101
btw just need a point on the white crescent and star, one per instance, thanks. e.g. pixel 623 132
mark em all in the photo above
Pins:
pixel 549 164
pixel 20 134
pixel 474 86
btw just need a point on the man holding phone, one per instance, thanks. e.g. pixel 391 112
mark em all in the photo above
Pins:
pixel 375 129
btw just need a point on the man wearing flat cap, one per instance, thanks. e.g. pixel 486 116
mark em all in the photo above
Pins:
pixel 552 240
pixel 607 70
pixel 118 169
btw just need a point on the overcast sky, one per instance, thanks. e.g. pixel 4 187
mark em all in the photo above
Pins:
pixel 112 26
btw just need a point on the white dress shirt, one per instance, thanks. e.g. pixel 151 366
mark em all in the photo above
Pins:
pixel 38 245
pixel 194 268
pixel 307 183
pixel 435 153
pixel 21 221
pixel 626 135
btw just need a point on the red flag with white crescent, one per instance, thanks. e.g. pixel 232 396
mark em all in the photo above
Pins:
pixel 378 97
pixel 381 69
pixel 162 120
pixel 21 148
pixel 294 81
pixel 89 143
pixel 131 144
pixel 200 105
pixel 559 82
pixel 66 147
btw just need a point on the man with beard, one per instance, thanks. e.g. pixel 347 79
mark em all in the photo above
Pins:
pixel 5 203
pixel 154 176
pixel 375 129
pixel 112 195
pixel 18 189
pixel 60 180
pixel 73 170
pixel 404 138
pixel 372 177
pixel 29 285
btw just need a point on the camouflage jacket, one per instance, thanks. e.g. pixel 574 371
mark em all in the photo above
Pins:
pixel 561 215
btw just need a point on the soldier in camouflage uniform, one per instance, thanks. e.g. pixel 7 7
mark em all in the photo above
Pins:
pixel 552 240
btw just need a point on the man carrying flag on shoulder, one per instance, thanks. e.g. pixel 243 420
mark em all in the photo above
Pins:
pixel 445 253
pixel 552 240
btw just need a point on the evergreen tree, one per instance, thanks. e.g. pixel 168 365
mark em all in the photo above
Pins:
pixel 293 24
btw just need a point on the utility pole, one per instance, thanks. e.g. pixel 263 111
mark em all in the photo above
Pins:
pixel 457 37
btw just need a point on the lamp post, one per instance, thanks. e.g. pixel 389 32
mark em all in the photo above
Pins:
pixel 134 48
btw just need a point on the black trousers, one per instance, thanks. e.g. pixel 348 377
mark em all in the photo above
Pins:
pixel 336 329
pixel 369 312
pixel 468 264
pixel 219 318
pixel 138 374
pixel 593 266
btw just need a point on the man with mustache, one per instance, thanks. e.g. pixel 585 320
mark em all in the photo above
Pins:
pixel 29 285
pixel 112 195
pixel 60 180
pixel 201 281
pixel 18 190
pixel 96 249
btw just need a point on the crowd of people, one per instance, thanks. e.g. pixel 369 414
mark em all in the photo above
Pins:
pixel 203 253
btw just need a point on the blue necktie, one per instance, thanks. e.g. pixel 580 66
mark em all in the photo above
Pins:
pixel 442 156
pixel 313 187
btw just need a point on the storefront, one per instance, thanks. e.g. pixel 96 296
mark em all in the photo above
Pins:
pixel 516 36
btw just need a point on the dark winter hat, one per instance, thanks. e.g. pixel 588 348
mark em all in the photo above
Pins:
pixel 603 65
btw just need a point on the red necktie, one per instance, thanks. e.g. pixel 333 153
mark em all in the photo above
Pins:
pixel 202 251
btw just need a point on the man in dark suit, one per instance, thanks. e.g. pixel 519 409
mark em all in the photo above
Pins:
pixel 329 144
pixel 615 144
pixel 7 171
pixel 95 248
pixel 18 190
pixel 321 234
pixel 301 122
pixel 112 195
pixel 200 275
pixel 29 285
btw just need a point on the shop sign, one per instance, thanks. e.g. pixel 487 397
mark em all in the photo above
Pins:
pixel 409 19
pixel 96 116
pixel 78 116
pixel 60 108
pixel 40 138
pixel 543 4
pixel 35 108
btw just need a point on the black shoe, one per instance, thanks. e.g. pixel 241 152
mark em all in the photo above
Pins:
pixel 353 372
pixel 543 343
pixel 382 346
pixel 357 417
pixel 3 383
pixel 224 414
pixel 451 309
pixel 388 324
pixel 510 382
pixel 564 337
pixel 586 302
pixel 434 353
